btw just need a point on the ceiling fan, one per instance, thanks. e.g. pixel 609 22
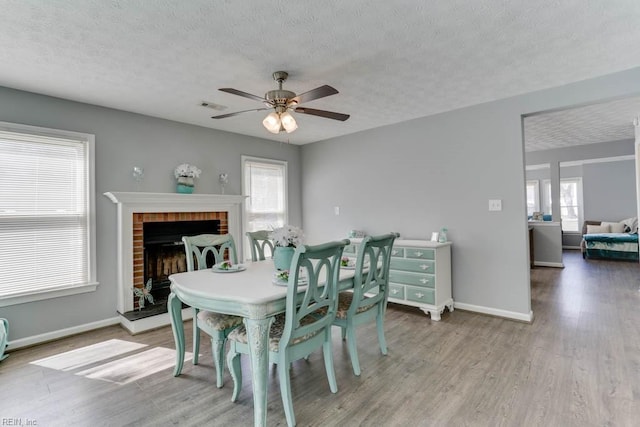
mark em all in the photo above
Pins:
pixel 283 102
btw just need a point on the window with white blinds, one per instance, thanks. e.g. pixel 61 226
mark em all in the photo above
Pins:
pixel 46 197
pixel 265 182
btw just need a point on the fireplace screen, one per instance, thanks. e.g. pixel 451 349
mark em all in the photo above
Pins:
pixel 164 252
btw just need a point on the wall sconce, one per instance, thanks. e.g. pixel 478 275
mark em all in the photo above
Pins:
pixel 138 174
pixel 223 179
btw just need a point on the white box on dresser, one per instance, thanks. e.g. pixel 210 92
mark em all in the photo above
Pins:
pixel 419 275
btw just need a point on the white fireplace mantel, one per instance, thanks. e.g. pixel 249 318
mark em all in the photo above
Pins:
pixel 136 202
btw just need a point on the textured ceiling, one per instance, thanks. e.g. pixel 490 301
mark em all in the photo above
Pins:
pixel 391 60
pixel 603 122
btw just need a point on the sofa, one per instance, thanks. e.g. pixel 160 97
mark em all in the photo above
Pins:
pixel 610 240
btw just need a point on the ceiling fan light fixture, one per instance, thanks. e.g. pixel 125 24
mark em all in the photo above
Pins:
pixel 288 122
pixel 272 123
pixel 283 102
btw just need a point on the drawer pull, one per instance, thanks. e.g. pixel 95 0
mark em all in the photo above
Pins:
pixel 424 281
pixel 419 253
pixel 394 252
pixel 419 294
pixel 424 267
pixel 394 291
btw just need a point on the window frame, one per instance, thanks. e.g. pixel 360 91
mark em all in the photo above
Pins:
pixel 91 283
pixel 546 192
pixel 579 206
pixel 546 200
pixel 536 191
pixel 245 159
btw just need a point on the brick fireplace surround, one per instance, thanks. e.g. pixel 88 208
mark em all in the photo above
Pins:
pixel 136 208
pixel 138 238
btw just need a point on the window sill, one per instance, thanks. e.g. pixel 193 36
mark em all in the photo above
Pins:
pixel 47 294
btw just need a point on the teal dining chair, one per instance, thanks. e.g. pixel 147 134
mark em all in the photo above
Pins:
pixel 300 330
pixel 203 251
pixel 368 299
pixel 259 241
pixel 4 337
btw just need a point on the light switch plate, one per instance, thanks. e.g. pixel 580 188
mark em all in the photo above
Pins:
pixel 495 204
pixel 336 210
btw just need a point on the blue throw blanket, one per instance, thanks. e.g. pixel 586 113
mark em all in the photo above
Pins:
pixel 611 237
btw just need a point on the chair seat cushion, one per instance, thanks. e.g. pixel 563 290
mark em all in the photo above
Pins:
pixel 344 302
pixel 218 321
pixel 275 333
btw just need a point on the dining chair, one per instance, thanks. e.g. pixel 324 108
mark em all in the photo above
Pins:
pixel 299 331
pixel 368 299
pixel 258 242
pixel 203 251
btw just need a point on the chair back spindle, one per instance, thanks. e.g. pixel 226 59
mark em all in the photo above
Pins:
pixel 204 247
pixel 259 242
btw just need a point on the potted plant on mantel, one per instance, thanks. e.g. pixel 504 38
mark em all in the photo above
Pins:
pixel 285 239
pixel 185 173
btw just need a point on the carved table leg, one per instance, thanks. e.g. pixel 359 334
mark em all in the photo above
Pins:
pixel 258 337
pixel 175 313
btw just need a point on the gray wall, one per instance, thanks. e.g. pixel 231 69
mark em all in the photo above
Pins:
pixel 609 190
pixel 124 140
pixel 441 170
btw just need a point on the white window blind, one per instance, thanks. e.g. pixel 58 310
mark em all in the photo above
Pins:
pixel 265 182
pixel 571 203
pixel 44 214
pixel 533 197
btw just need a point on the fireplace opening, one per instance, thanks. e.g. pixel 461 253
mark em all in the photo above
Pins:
pixel 164 255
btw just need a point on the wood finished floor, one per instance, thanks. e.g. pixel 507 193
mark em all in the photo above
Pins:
pixel 578 364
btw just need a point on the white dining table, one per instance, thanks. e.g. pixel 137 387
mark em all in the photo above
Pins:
pixel 250 293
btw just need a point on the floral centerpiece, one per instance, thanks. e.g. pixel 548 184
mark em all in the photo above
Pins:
pixel 287 236
pixel 285 239
pixel 185 173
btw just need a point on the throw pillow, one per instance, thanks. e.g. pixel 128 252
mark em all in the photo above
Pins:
pixel 616 227
pixel 630 225
pixel 594 229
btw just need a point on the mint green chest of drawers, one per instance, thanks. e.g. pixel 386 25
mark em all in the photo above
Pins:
pixel 420 276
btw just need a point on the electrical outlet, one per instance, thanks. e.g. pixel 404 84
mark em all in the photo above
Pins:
pixel 336 210
pixel 495 204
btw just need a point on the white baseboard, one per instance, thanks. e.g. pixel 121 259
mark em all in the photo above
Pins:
pixel 133 328
pixel 61 333
pixel 548 264
pixel 524 317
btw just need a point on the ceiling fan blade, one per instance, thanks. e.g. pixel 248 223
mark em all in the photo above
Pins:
pixel 322 113
pixel 224 116
pixel 241 93
pixel 319 92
